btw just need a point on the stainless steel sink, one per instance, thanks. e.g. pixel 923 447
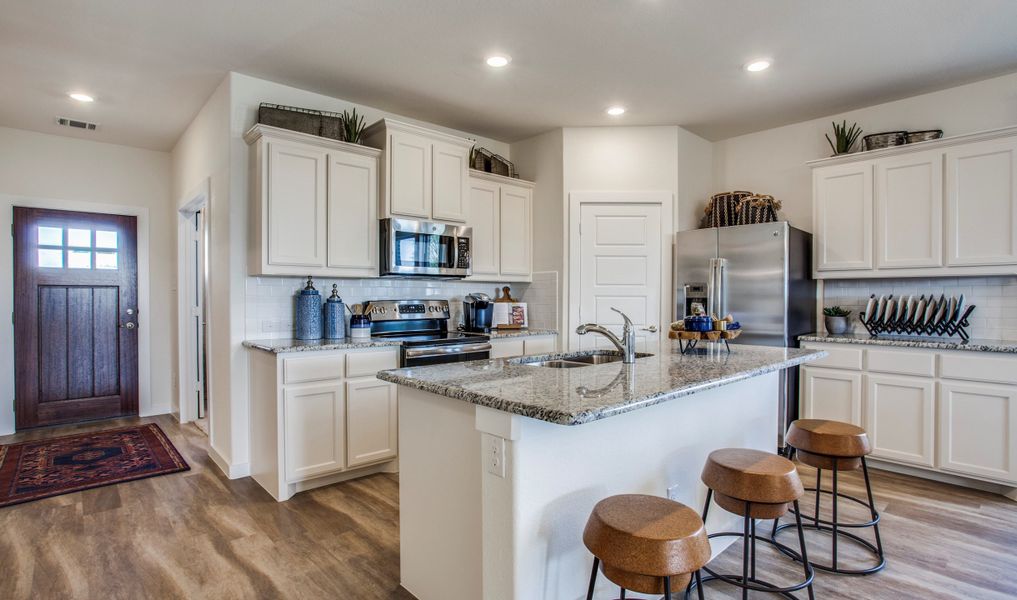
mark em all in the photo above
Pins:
pixel 585 360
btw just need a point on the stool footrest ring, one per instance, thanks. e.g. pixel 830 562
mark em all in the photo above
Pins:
pixel 753 583
pixel 791 553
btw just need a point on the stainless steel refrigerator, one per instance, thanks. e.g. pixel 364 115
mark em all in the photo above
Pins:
pixel 763 278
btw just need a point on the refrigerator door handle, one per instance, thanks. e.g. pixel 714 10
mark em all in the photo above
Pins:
pixel 716 290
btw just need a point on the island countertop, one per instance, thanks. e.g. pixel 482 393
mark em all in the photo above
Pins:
pixel 590 393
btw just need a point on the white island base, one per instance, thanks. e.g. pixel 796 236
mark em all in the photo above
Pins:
pixel 467 532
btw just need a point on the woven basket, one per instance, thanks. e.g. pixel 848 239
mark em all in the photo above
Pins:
pixel 884 140
pixel 303 120
pixel 722 210
pixel 924 136
pixel 502 166
pixel 757 209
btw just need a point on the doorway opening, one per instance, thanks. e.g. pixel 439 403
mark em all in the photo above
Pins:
pixel 193 315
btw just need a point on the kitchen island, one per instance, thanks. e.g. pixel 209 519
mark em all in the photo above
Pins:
pixel 502 460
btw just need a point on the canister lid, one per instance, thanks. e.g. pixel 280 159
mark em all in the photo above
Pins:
pixel 309 289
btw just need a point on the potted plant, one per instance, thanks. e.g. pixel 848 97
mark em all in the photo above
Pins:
pixel 845 137
pixel 352 125
pixel 836 319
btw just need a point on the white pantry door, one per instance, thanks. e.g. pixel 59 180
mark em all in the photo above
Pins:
pixel 619 262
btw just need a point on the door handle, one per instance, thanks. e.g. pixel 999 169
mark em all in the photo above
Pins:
pixel 129 325
pixel 651 329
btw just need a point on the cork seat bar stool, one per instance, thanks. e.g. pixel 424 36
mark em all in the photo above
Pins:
pixel 834 446
pixel 645 544
pixel 755 485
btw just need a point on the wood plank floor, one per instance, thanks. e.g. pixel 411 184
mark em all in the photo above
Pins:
pixel 200 535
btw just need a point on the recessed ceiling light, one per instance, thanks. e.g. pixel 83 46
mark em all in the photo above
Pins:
pixel 498 61
pixel 81 97
pixel 757 66
pixel 615 111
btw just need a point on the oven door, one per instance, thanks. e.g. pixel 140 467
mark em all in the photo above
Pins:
pixel 419 356
pixel 411 247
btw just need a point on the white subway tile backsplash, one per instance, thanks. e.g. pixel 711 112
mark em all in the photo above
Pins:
pixel 995 298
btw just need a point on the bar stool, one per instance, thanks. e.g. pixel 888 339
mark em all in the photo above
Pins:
pixel 645 543
pixel 834 446
pixel 755 485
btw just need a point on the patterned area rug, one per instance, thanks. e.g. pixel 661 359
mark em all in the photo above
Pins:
pixel 43 468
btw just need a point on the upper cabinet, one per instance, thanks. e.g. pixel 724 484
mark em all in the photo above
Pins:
pixel 314 205
pixel 944 207
pixel 501 210
pixel 424 173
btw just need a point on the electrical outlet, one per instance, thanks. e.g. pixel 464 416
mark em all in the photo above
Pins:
pixel 672 493
pixel 494 455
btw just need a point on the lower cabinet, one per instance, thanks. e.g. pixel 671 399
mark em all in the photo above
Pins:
pixel 314 431
pixel 900 418
pixel 832 394
pixel 950 413
pixel 371 421
pixel 977 429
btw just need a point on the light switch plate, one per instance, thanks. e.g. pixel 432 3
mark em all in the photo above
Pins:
pixel 494 455
pixel 672 493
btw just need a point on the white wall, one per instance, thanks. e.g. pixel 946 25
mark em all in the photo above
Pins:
pixel 202 155
pixel 773 161
pixel 76 174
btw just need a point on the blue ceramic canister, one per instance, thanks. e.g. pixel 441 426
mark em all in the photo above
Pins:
pixel 335 316
pixel 309 326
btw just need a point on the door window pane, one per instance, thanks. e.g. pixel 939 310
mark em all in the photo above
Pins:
pixel 51 236
pixel 105 260
pixel 52 259
pixel 79 259
pixel 79 237
pixel 106 239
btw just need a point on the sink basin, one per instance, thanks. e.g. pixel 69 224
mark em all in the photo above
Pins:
pixel 584 360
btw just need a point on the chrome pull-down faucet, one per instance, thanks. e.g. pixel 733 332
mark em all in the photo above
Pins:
pixel 626 345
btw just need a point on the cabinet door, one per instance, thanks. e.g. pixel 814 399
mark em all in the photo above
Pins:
pixel 371 421
pixel 909 211
pixel 900 418
pixel 832 394
pixel 981 199
pixel 842 213
pixel 449 181
pixel 353 213
pixel 484 219
pixel 507 347
pixel 539 345
pixel 977 427
pixel 515 231
pixel 409 177
pixel 296 205
pixel 314 434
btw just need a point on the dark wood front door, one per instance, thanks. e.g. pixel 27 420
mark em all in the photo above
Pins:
pixel 75 316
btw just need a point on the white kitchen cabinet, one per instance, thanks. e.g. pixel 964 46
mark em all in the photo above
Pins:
pixel 523 345
pixel 423 172
pixel 900 418
pixel 909 211
pixel 981 192
pixel 505 348
pixel 977 428
pixel 485 219
pixel 843 217
pixel 831 394
pixel 540 344
pixel 314 205
pixel 501 210
pixel 938 208
pixel 371 421
pixel 315 438
pixel 295 204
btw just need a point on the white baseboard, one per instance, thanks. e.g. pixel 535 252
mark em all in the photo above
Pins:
pixel 232 471
pixel 156 410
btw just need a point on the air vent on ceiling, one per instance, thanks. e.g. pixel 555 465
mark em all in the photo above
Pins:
pixel 77 124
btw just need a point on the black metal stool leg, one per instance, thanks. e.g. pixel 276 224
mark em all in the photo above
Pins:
pixel 621 595
pixel 699 583
pixel 745 552
pixel 667 588
pixel 752 545
pixel 593 578
pixel 833 557
pixel 819 486
pixel 809 573
pixel 872 510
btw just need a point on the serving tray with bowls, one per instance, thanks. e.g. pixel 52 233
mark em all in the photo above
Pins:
pixel 700 328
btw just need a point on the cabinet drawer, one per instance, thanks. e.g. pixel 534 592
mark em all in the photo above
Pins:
pixel 367 364
pixel 312 368
pixel 905 363
pixel 839 358
pixel 978 367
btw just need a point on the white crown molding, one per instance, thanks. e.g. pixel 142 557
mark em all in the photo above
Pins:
pixel 393 125
pixel 475 174
pixel 277 133
pixel 955 140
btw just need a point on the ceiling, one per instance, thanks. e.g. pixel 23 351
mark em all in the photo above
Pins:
pixel 152 64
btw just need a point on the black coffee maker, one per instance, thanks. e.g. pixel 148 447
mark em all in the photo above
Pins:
pixel 478 310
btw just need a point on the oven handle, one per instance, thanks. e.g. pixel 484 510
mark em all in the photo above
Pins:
pixel 430 351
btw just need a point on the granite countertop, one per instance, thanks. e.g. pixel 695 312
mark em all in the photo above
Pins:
pixel 509 333
pixel 904 341
pixel 593 392
pixel 291 345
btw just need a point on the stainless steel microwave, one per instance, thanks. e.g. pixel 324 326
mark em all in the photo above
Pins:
pixel 423 248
